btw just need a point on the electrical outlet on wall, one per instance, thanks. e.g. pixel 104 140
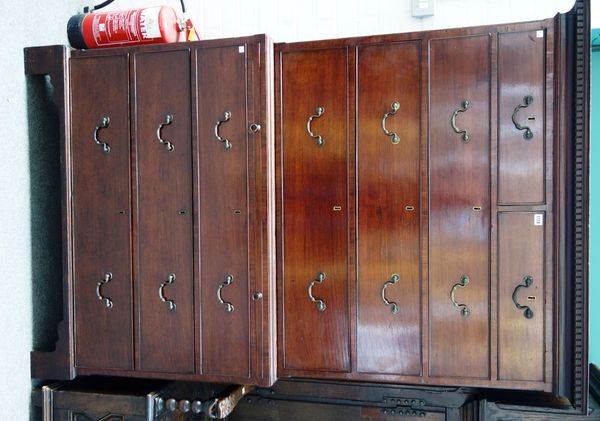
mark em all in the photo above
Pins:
pixel 422 8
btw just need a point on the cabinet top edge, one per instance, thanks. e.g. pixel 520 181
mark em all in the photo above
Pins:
pixel 208 43
pixel 416 35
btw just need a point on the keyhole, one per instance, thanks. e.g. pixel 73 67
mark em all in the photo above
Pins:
pixel 182 212
pixel 531 119
pixel 121 212
pixel 237 212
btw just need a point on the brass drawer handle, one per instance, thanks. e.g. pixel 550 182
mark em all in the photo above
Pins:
pixel 321 306
pixel 224 140
pixel 319 111
pixel 107 301
pixel 527 282
pixel 527 101
pixel 102 125
pixel 170 303
pixel 168 120
pixel 392 281
pixel 464 281
pixel 229 308
pixel 464 106
pixel 395 139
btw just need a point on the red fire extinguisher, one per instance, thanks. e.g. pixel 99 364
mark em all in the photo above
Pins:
pixel 150 25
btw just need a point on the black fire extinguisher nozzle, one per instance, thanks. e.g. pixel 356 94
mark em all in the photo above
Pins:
pixel 75 33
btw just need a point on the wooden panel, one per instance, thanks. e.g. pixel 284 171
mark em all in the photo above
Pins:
pixel 266 410
pixel 165 212
pixel 459 206
pixel 388 210
pixel 520 254
pixel 521 73
pixel 315 227
pixel 224 210
pixel 102 213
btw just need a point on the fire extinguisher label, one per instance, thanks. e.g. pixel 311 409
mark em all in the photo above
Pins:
pixel 149 26
pixel 127 27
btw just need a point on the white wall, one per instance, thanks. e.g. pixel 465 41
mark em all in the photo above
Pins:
pixel 26 198
pixel 298 20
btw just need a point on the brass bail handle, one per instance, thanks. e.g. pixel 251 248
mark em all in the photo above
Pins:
pixel 229 307
pixel 161 292
pixel 394 138
pixel 463 282
pixel 167 121
pixel 527 101
pixel 319 111
pixel 527 311
pixel 105 280
pixel 103 124
pixel 226 143
pixel 392 281
pixel 321 306
pixel 464 106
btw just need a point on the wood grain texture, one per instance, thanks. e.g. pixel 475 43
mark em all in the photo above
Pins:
pixel 520 253
pixel 388 209
pixel 315 207
pixel 102 213
pixel 459 184
pixel 224 210
pixel 164 212
pixel 521 71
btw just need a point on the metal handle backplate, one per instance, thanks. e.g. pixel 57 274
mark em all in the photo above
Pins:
pixel 464 106
pixel 463 282
pixel 102 125
pixel 228 281
pixel 321 306
pixel 168 120
pixel 107 301
pixel 527 282
pixel 224 140
pixel 395 139
pixel 319 111
pixel 161 292
pixel 392 281
pixel 527 101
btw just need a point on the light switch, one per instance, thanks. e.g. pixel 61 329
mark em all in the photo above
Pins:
pixel 422 8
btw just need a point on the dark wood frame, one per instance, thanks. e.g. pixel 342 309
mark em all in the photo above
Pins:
pixel 571 203
pixel 568 57
pixel 54 61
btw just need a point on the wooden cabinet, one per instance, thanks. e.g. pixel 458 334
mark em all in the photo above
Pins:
pixel 229 202
pixel 388 212
pixel 459 207
pixel 314 296
pixel 163 176
pixel 169 173
pixel 427 192
pixel 440 152
pixel 102 217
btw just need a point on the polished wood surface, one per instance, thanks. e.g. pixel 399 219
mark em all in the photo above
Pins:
pixel 461 196
pixel 102 213
pixel 315 211
pixel 521 253
pixel 164 212
pixel 224 210
pixel 459 200
pixel 388 209
pixel 521 72
pixel 457 203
